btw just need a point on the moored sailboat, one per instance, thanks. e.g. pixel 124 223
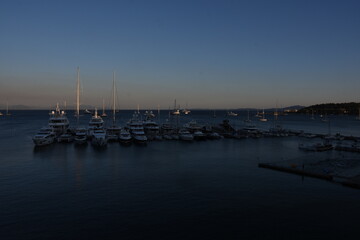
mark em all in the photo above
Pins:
pixel 113 131
pixel 80 132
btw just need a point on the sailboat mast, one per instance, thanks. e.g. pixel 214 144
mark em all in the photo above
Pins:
pixel 78 94
pixel 114 98
pixel 103 107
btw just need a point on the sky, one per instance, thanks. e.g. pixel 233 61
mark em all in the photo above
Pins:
pixel 208 54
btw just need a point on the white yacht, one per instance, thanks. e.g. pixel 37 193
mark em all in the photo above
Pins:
pixel 137 128
pixel 185 135
pixel 151 128
pixel 96 122
pixel 98 138
pixel 199 135
pixel 65 137
pixel 44 137
pixel 167 131
pixel 80 136
pixel 192 126
pixel 58 121
pixel 125 136
pixel 232 114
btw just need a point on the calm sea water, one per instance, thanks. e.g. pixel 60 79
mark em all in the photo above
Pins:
pixel 169 189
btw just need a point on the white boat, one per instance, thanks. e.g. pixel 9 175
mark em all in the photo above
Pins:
pixel 80 136
pixel 1 114
pixel 231 114
pixel 44 137
pixel 136 128
pixel 263 119
pixel 167 130
pixel 185 135
pixel 251 128
pixel 213 135
pixel 99 138
pixel 80 132
pixel 65 138
pixel 125 136
pixel 192 126
pixel 58 121
pixel 96 122
pixel 195 129
pixel 199 135
pixel 151 128
pixel 186 111
pixel 176 110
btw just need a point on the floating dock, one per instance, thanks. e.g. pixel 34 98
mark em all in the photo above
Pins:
pixel 344 171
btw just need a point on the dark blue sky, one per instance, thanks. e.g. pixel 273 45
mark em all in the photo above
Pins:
pixel 213 54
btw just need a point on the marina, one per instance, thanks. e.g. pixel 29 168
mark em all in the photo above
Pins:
pixel 189 120
pixel 178 176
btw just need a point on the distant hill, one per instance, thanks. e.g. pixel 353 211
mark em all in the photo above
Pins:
pixel 333 108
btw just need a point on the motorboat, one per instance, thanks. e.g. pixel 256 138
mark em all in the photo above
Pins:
pixel 44 137
pixel 199 135
pixel 136 128
pixel 58 121
pixel 96 122
pixel 65 137
pixel 192 126
pixel 99 137
pixel 151 128
pixel 125 136
pixel 80 136
pixel 213 135
pixel 185 135
pixel 167 130
pixel 249 128
pixel 113 133
pixel 231 114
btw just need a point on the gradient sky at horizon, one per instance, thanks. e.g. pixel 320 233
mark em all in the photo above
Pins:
pixel 210 54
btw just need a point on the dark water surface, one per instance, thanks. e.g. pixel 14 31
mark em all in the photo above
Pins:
pixel 168 189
